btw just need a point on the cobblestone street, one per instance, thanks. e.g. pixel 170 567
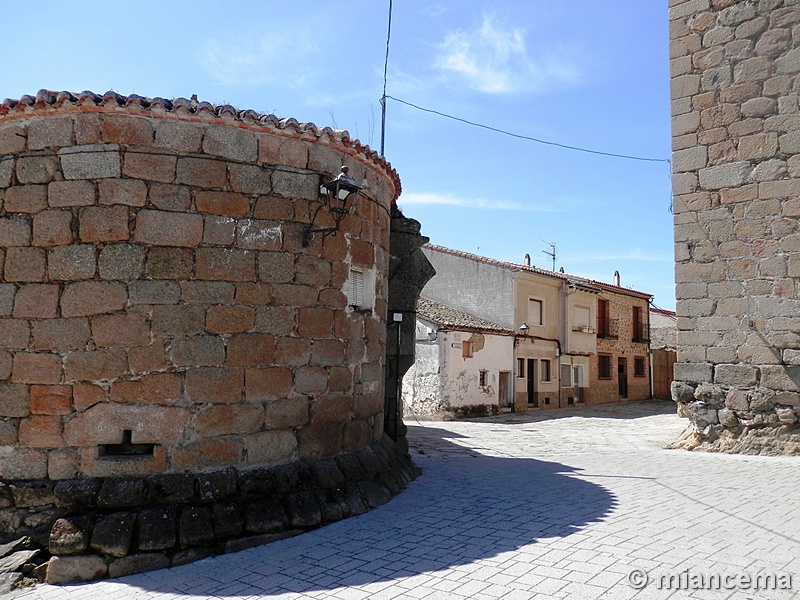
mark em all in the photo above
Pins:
pixel 571 503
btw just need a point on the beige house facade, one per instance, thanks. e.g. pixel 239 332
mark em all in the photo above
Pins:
pixel 576 341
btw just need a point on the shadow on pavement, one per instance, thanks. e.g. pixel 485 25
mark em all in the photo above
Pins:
pixel 636 409
pixel 464 507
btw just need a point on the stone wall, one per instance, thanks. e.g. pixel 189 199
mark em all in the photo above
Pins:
pixel 159 311
pixel 409 271
pixel 736 184
pixel 110 527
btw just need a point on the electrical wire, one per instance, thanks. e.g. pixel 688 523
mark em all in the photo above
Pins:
pixel 525 137
pixel 385 74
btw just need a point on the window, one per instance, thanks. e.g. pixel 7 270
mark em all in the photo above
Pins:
pixel 466 349
pixel 545 369
pixel 638 366
pixel 566 375
pixel 603 322
pixel 604 366
pixel 638 325
pixel 482 378
pixel 355 296
pixel 582 316
pixel 521 368
pixel 535 314
pixel 577 375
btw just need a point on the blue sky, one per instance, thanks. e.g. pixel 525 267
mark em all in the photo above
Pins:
pixel 584 73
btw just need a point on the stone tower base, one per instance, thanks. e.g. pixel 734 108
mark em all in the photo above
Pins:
pixel 763 440
pixel 95 528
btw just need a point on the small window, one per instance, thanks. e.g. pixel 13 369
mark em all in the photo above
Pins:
pixel 356 292
pixel 466 349
pixel 638 366
pixel 566 375
pixel 604 366
pixel 535 315
pixel 577 375
pixel 545 370
pixel 521 368
pixel 482 378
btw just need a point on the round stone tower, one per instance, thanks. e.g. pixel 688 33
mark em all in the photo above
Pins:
pixel 170 331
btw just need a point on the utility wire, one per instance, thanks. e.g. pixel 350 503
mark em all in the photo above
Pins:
pixel 385 72
pixel 525 137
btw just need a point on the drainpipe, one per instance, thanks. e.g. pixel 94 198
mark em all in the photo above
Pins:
pixel 650 347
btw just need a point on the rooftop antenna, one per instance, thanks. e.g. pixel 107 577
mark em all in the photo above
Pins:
pixel 552 253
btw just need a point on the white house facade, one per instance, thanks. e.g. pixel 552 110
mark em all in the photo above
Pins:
pixel 463 365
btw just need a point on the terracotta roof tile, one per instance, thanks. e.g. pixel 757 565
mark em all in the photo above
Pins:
pixel 49 101
pixel 450 318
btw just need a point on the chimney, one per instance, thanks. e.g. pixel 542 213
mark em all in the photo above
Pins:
pixel 527 261
pixel 616 278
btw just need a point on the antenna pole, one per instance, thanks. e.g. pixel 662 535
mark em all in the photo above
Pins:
pixel 552 253
pixel 385 72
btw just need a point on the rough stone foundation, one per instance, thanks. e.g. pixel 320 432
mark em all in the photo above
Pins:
pixel 117 526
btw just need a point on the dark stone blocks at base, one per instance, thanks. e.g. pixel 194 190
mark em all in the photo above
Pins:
pixel 96 528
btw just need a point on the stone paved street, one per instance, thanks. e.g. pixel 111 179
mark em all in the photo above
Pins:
pixel 571 503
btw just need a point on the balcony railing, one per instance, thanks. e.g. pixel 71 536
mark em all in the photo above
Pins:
pixel 607 328
pixel 640 333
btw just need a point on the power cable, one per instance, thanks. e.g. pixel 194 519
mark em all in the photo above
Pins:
pixel 525 137
pixel 385 73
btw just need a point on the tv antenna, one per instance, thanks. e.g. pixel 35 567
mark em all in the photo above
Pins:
pixel 552 253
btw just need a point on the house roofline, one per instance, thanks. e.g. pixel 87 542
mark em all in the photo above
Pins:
pixel 594 285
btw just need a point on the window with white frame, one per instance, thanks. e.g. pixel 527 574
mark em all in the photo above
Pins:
pixel 577 376
pixel 360 288
pixel 546 374
pixel 355 296
pixel 566 375
pixel 535 312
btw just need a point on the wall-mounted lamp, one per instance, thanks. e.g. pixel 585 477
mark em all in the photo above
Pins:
pixel 523 333
pixel 337 195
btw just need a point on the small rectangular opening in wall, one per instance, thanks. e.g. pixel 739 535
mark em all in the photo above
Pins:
pixel 570 400
pixel 356 291
pixel 126 449
pixel 547 400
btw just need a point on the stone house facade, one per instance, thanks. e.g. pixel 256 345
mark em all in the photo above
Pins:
pixel 173 346
pixel 577 341
pixel 735 69
pixel 622 369
pixel 462 366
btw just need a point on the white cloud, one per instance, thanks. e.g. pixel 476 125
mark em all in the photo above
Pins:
pixel 493 58
pixel 430 199
pixel 258 61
